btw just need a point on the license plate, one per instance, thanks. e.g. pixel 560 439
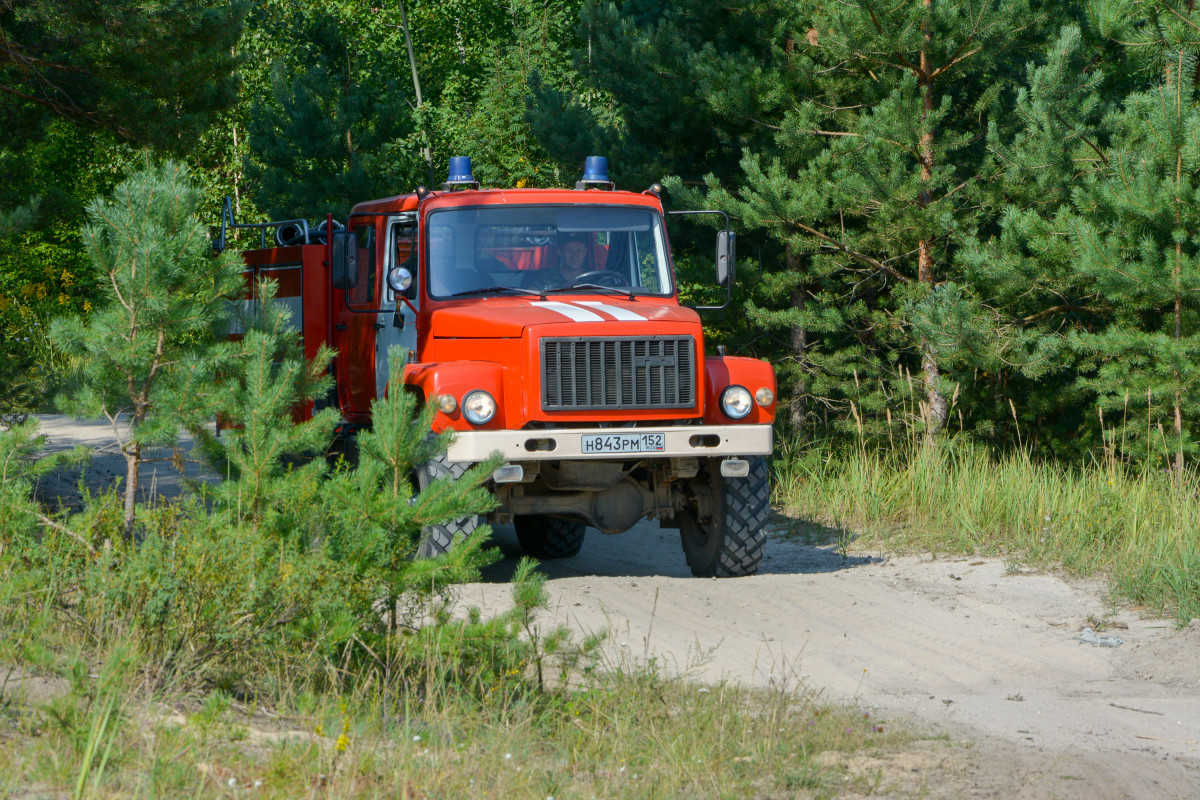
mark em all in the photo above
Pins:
pixel 624 443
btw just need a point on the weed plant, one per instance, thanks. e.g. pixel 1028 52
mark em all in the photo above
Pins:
pixel 1137 527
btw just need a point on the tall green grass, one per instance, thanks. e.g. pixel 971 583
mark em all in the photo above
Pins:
pixel 1140 529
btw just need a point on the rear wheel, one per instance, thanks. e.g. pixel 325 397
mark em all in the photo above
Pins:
pixel 724 532
pixel 437 539
pixel 549 537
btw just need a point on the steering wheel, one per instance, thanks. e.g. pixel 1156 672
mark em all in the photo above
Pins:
pixel 603 277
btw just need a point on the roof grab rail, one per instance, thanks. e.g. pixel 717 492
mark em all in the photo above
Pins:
pixel 288 232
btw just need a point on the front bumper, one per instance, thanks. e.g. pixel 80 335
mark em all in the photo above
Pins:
pixel 704 441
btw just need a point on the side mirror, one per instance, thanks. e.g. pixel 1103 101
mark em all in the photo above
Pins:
pixel 726 256
pixel 344 266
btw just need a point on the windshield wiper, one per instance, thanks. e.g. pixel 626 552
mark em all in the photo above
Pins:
pixel 592 286
pixel 490 289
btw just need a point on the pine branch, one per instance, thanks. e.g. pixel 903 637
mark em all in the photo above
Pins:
pixel 866 259
pixel 817 132
pixel 933 75
pixel 1063 309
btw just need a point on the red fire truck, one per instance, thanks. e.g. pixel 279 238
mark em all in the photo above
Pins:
pixel 544 324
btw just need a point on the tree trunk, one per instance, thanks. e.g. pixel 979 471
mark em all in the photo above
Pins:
pixel 939 410
pixel 133 466
pixel 1176 277
pixel 798 405
pixel 1178 335
pixel 412 63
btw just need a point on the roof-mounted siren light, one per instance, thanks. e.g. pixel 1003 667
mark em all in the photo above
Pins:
pixel 595 173
pixel 460 175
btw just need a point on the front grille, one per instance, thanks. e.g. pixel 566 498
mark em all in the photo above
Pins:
pixel 619 372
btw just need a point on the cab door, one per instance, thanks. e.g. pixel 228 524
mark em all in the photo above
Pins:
pixel 356 313
pixel 396 325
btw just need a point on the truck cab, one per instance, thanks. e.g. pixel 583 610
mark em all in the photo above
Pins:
pixel 545 324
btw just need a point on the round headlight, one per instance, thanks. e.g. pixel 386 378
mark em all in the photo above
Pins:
pixel 399 279
pixel 478 407
pixel 736 402
pixel 447 404
pixel 764 396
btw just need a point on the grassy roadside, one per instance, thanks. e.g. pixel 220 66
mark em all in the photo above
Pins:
pixel 613 733
pixel 1140 530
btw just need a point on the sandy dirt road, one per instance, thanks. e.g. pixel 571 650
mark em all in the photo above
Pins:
pixel 960 646
pixel 956 645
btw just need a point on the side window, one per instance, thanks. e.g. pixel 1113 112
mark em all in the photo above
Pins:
pixel 364 291
pixel 404 246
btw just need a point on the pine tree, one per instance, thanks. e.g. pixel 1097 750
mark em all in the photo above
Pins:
pixel 1022 268
pixel 1138 233
pixel 253 387
pixel 1093 272
pixel 149 72
pixel 319 132
pixel 379 516
pixel 869 183
pixel 164 291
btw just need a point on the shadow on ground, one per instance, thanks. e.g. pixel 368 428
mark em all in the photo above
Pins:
pixel 794 547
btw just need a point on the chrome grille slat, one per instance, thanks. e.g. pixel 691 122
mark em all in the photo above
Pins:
pixel 619 372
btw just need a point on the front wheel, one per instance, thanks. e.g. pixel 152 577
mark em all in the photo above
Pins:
pixel 549 537
pixel 437 539
pixel 726 539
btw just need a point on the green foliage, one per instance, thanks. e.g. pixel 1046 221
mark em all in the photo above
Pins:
pixel 20 467
pixel 149 72
pixel 284 562
pixel 163 291
pixel 319 134
pixel 254 386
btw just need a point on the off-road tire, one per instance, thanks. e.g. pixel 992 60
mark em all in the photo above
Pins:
pixel 730 545
pixel 437 539
pixel 549 537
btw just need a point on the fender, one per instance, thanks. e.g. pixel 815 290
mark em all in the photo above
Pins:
pixel 457 378
pixel 723 371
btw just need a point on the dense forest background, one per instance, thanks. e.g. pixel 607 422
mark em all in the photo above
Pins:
pixel 956 218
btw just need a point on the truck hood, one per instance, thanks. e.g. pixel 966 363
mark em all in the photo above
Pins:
pixel 507 318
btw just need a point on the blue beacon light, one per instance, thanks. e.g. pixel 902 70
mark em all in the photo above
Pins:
pixel 595 173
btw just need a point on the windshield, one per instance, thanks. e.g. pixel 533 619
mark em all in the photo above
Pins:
pixel 480 251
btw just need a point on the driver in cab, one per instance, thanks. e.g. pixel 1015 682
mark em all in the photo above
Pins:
pixel 572 262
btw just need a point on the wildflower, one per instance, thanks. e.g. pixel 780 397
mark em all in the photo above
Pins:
pixel 508 756
pixel 343 742
pixel 416 738
pixel 87 305
pixel 62 299
pixel 319 730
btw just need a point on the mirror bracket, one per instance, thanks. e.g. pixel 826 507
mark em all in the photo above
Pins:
pixel 726 256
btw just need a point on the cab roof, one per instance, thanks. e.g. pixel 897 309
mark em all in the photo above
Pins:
pixel 464 197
